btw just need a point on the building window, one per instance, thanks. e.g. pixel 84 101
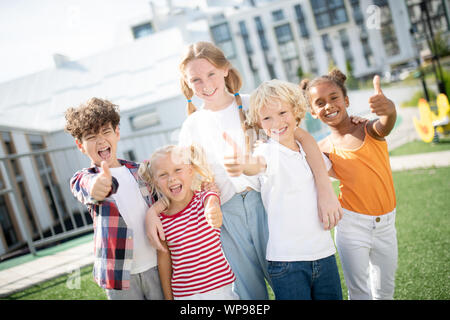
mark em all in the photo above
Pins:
pixel 19 179
pixel 327 46
pixel 288 51
pixel 49 183
pixel 278 15
pixel 328 13
pixel 145 120
pixel 265 47
pixel 388 34
pixel 357 14
pixel 301 21
pixel 345 43
pixel 142 30
pixel 367 52
pixel 249 51
pixel 245 38
pixel 222 37
pixel 9 232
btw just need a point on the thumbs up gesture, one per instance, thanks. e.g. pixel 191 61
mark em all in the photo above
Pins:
pixel 378 103
pixel 213 214
pixel 233 163
pixel 101 186
pixel 239 163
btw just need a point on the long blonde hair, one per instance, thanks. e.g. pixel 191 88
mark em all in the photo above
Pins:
pixel 233 81
pixel 192 155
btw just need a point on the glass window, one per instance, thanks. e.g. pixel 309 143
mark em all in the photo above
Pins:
pixel 329 13
pixel 245 37
pixel 283 33
pixel 301 21
pixel 17 172
pixel 278 15
pixel 142 30
pixel 222 37
pixel 388 30
pixel 51 187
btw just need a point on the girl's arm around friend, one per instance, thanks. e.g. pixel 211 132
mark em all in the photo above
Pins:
pixel 165 271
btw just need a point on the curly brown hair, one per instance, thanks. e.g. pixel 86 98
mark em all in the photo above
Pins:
pixel 89 117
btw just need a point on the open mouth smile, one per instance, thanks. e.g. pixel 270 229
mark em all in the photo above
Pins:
pixel 105 153
pixel 210 93
pixel 279 131
pixel 331 115
pixel 176 189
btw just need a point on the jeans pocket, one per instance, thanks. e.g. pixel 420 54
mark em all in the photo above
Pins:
pixel 277 268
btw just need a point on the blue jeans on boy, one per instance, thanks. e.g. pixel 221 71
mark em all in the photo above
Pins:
pixel 306 280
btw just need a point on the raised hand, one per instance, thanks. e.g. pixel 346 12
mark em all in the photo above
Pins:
pixel 233 163
pixel 101 185
pixel 378 103
pixel 213 213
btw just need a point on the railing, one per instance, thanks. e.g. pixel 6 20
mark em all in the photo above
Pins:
pixel 65 217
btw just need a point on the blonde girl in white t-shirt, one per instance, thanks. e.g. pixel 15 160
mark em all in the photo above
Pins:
pixel 207 73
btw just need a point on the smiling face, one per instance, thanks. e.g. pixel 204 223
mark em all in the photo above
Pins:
pixel 174 179
pixel 206 80
pixel 278 122
pixel 101 146
pixel 328 103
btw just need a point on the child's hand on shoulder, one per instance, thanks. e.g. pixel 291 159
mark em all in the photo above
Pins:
pixel 210 186
pixel 357 119
pixel 213 213
pixel 379 103
pixel 153 226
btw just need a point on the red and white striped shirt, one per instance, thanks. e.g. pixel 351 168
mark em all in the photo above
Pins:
pixel 198 262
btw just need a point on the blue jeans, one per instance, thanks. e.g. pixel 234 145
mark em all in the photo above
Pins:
pixel 306 280
pixel 244 238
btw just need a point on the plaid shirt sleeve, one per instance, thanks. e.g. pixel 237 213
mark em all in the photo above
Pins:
pixel 113 240
pixel 80 184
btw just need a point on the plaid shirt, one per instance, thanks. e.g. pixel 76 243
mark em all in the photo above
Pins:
pixel 113 240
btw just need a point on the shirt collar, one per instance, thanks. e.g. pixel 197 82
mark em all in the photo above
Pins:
pixel 286 150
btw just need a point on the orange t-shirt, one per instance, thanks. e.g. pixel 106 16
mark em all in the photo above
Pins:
pixel 365 175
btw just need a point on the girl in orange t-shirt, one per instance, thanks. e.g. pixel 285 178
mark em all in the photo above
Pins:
pixel 365 237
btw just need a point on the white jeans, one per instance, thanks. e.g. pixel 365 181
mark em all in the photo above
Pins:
pixel 222 293
pixel 367 247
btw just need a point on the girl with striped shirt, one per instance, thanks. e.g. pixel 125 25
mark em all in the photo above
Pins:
pixel 193 265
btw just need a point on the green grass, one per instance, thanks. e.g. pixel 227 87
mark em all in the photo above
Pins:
pixel 418 146
pixel 423 235
pixel 423 232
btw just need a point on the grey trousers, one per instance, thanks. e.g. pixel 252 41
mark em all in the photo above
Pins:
pixel 143 286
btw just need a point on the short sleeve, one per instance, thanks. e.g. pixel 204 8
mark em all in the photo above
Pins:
pixel 206 194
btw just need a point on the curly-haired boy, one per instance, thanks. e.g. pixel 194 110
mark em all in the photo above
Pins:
pixel 125 263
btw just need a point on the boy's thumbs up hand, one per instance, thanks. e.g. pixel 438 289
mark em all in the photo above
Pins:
pixel 233 163
pixel 378 103
pixel 101 185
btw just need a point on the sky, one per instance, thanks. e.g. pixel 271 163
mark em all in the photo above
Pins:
pixel 33 30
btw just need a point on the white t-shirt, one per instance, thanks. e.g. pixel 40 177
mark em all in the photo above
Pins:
pixel 132 208
pixel 289 196
pixel 205 128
